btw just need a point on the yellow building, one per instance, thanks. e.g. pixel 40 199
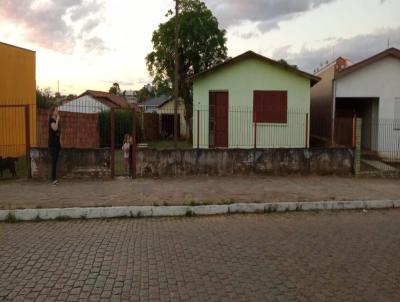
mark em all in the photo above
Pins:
pixel 17 87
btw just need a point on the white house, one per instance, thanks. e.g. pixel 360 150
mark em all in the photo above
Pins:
pixel 94 102
pixel 370 90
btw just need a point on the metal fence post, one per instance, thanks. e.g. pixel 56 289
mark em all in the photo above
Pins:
pixel 198 129
pixel 112 162
pixel 255 135
pixel 306 133
pixel 28 141
pixel 134 143
pixel 354 130
pixel 357 150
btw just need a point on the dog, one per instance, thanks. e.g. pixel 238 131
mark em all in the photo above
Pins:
pixel 8 163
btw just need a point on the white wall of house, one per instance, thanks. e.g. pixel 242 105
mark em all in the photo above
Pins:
pixel 84 104
pixel 382 80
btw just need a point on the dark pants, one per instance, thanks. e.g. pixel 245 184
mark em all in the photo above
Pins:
pixel 54 158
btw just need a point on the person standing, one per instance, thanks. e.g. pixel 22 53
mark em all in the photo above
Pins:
pixel 130 155
pixel 126 151
pixel 54 142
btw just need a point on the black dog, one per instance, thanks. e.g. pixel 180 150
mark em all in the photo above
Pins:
pixel 9 164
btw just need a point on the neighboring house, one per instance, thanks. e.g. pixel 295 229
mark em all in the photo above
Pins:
pixel 17 87
pixel 321 112
pixel 164 107
pixel 130 96
pixel 93 101
pixel 251 101
pixel 153 105
pixel 370 90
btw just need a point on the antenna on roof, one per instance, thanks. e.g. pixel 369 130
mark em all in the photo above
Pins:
pixel 388 43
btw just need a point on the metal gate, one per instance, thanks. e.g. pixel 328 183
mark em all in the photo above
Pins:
pixel 123 123
pixel 15 141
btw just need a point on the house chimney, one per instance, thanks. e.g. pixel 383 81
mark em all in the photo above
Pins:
pixel 340 64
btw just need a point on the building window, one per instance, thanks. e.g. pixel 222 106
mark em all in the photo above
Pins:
pixel 270 107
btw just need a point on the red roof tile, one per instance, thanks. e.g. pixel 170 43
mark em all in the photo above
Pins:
pixel 109 99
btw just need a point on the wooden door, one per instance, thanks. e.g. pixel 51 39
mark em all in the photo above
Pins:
pixel 218 119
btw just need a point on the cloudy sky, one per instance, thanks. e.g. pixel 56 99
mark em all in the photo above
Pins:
pixel 88 44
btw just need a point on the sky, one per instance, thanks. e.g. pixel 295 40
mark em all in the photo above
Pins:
pixel 89 44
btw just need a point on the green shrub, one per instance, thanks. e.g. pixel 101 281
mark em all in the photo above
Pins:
pixel 123 125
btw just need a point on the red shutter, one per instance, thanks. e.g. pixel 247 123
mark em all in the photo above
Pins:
pixel 270 107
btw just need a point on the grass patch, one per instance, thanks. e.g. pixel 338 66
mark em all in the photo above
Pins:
pixel 196 203
pixel 228 201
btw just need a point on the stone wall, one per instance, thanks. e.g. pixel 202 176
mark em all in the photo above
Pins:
pixel 322 161
pixel 72 163
pixel 78 130
pixel 95 163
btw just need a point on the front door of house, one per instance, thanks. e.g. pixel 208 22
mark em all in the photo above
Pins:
pixel 218 119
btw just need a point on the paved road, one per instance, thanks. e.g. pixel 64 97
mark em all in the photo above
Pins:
pixel 342 256
pixel 180 190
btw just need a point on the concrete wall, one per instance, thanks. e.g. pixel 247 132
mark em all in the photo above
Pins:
pixel 73 163
pixel 17 87
pixel 381 80
pixel 76 163
pixel 240 80
pixel 152 163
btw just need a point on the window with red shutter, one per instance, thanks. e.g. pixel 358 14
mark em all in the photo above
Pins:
pixel 270 107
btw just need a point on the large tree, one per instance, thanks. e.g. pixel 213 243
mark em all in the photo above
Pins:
pixel 201 46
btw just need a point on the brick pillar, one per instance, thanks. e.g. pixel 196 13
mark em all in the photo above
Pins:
pixel 357 151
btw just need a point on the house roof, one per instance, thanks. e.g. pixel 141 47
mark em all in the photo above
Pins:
pixel 108 99
pixel 250 54
pixel 390 52
pixel 17 47
pixel 155 102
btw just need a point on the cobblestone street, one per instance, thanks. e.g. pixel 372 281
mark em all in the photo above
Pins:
pixel 326 256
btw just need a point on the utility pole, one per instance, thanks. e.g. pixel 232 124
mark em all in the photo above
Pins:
pixel 176 88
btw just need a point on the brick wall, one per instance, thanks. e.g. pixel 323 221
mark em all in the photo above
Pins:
pixel 78 130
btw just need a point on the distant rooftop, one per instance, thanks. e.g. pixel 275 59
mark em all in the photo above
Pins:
pixel 155 102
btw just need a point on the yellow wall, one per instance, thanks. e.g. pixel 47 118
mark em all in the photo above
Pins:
pixel 17 87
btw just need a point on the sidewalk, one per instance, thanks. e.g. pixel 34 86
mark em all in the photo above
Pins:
pixel 194 190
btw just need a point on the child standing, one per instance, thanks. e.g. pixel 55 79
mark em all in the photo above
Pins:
pixel 126 151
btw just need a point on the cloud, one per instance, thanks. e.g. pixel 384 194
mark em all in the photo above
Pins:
pixel 95 44
pixel 266 13
pixel 45 22
pixel 355 49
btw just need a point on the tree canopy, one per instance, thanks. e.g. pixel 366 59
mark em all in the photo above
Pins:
pixel 145 93
pixel 114 89
pixel 202 45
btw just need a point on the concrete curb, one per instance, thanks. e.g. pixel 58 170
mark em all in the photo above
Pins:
pixel 176 211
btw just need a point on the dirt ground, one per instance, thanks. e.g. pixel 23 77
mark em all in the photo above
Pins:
pixel 177 191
